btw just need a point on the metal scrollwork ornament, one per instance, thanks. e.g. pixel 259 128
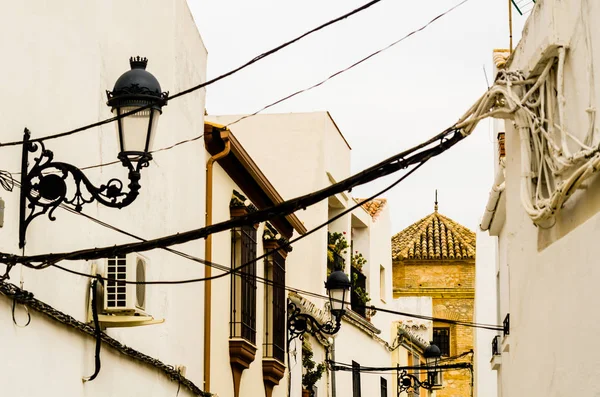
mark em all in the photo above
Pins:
pixel 300 323
pixel 411 383
pixel 45 186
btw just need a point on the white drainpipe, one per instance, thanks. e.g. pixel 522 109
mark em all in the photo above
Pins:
pixel 495 193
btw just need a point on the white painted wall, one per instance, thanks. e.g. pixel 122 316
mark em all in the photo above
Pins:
pixel 485 313
pixel 310 153
pixel 60 65
pixel 553 273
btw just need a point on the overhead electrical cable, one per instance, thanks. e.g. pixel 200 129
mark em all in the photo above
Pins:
pixel 52 262
pixel 265 281
pixel 285 98
pixel 207 83
pixel 297 92
pixel 446 139
pixel 345 367
pixel 237 271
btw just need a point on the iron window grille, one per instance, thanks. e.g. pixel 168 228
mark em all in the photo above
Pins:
pixel 275 304
pixel 506 325
pixel 243 284
pixel 441 338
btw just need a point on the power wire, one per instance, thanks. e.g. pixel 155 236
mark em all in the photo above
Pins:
pixel 491 327
pixel 237 269
pixel 263 280
pixel 349 67
pixel 207 83
pixel 303 90
pixel 400 161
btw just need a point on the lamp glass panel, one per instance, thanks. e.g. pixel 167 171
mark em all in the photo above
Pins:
pixel 337 297
pixel 135 128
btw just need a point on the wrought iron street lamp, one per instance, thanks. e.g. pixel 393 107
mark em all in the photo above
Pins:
pixel 137 101
pixel 411 383
pixel 338 286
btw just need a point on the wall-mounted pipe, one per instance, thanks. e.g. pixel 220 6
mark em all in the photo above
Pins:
pixel 492 203
pixel 208 256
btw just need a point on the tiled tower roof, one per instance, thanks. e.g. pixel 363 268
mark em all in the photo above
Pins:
pixel 434 237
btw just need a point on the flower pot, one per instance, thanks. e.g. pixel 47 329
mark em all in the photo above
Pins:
pixel 306 393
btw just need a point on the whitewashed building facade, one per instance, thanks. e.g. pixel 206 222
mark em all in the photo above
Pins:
pixel 544 209
pixel 61 57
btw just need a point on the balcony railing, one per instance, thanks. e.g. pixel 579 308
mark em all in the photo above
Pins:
pixel 495 345
pixel 338 262
pixel 506 325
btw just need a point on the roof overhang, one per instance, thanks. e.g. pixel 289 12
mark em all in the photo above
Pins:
pixel 248 177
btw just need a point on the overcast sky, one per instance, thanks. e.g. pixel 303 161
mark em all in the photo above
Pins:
pixel 390 103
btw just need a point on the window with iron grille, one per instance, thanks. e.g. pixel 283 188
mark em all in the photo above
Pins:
pixel 359 280
pixel 441 338
pixel 275 321
pixel 355 379
pixel 383 386
pixel 243 284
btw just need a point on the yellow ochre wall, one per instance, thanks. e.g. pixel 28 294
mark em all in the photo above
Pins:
pixel 451 285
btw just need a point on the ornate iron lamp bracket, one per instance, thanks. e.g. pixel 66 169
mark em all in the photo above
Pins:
pixel 44 186
pixel 410 383
pixel 299 323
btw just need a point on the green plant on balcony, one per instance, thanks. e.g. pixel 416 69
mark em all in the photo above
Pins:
pixel 358 261
pixel 336 248
pixel 312 371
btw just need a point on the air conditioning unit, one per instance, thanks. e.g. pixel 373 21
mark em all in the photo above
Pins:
pixel 120 297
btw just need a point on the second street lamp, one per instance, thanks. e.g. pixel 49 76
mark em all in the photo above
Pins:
pixel 411 383
pixel 44 186
pixel 432 354
pixel 337 286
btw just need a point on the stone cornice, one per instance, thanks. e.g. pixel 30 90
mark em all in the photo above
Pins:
pixel 451 293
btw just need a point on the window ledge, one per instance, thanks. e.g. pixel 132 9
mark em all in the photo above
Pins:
pixel 496 362
pixel 273 371
pixel 241 354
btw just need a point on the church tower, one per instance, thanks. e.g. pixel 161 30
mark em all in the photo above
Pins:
pixel 435 257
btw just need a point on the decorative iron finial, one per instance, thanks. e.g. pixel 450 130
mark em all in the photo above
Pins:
pixel 435 206
pixel 138 62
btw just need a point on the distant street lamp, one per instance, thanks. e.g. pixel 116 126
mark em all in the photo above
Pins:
pixel 338 286
pixel 411 383
pixel 44 186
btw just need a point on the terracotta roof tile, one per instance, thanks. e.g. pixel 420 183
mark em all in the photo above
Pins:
pixel 434 237
pixel 373 207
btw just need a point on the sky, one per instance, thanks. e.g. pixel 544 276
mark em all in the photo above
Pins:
pixel 388 104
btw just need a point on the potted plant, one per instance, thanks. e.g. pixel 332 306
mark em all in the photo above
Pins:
pixel 312 371
pixel 336 244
